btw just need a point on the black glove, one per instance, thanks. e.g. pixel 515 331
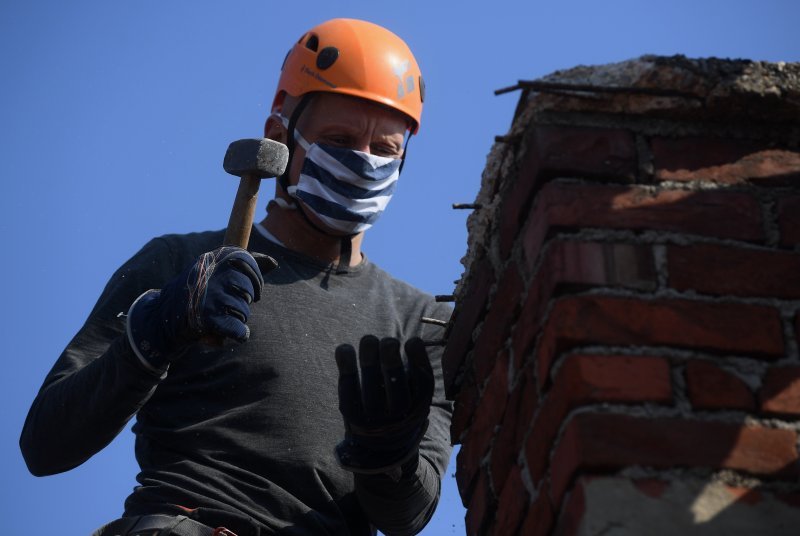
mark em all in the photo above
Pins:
pixel 386 411
pixel 211 297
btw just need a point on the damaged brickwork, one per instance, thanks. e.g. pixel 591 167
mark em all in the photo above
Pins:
pixel 624 349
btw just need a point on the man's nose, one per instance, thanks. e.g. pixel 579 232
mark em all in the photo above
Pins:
pixel 362 145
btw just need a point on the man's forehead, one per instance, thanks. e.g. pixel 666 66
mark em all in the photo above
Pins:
pixel 332 109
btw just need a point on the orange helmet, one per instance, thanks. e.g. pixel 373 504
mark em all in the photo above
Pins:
pixel 358 58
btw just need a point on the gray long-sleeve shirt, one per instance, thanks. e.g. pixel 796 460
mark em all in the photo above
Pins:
pixel 243 435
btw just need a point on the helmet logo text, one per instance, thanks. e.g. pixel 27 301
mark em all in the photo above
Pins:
pixel 400 69
pixel 314 74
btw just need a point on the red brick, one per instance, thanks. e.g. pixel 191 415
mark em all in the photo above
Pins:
pixel 797 326
pixel 789 220
pixel 464 408
pixel 579 265
pixel 522 339
pixel 466 316
pixel 606 442
pixel 652 487
pixel 792 499
pixel 724 161
pixel 528 326
pixel 520 409
pixel 564 151
pixel 735 271
pixel 590 379
pixel 598 264
pixel 711 387
pixel 467 471
pixel 515 206
pixel 721 214
pixel 488 415
pixel 481 507
pixel 497 326
pixel 540 516
pixel 540 440
pixel 614 378
pixel 512 505
pixel 780 391
pixel 573 510
pixel 600 153
pixel 745 495
pixel 715 327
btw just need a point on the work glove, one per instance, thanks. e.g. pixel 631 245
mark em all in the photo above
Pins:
pixel 385 411
pixel 210 299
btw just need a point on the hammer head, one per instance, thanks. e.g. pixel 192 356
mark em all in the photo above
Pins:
pixel 259 158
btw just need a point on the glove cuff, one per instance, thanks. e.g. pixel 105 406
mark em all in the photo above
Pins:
pixel 143 338
pixel 356 457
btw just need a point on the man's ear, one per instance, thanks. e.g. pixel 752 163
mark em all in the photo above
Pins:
pixel 274 129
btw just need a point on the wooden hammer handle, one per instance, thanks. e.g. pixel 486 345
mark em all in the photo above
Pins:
pixel 241 222
pixel 243 212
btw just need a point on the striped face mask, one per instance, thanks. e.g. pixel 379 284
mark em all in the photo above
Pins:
pixel 346 189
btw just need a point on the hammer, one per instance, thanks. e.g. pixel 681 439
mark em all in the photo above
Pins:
pixel 252 160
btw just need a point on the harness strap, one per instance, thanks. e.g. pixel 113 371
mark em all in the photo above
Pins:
pixel 160 525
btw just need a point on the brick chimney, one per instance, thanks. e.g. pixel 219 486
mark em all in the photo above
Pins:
pixel 623 353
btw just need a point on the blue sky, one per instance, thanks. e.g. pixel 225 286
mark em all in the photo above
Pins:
pixel 115 117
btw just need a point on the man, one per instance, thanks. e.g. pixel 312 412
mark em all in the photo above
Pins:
pixel 273 401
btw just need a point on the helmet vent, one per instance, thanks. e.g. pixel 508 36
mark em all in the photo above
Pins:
pixel 326 57
pixel 312 43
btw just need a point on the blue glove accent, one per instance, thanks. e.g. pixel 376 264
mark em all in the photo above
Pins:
pixel 386 410
pixel 210 297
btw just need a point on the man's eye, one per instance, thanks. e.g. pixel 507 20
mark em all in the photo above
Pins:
pixel 386 151
pixel 337 140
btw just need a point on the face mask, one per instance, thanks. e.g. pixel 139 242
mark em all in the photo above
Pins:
pixel 346 189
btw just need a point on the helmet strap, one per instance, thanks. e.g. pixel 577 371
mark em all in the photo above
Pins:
pixel 283 180
pixel 345 242
pixel 405 151
pixel 345 254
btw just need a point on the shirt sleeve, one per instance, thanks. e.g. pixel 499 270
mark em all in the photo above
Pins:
pixel 97 384
pixel 405 507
